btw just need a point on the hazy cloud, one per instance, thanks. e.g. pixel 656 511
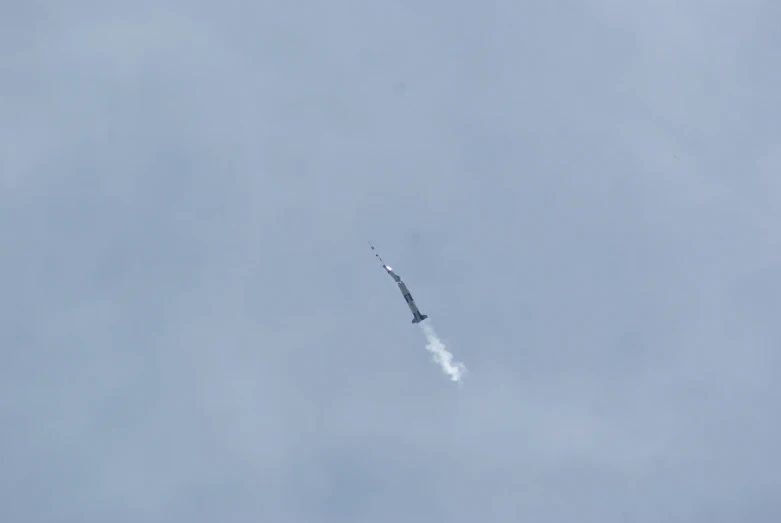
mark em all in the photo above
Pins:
pixel 582 196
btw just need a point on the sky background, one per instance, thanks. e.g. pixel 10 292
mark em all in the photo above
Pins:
pixel 582 196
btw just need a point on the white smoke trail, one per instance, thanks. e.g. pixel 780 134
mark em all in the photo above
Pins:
pixel 444 359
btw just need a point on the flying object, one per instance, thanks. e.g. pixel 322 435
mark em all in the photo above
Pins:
pixel 417 316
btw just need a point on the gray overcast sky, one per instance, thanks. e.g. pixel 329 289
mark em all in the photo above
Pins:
pixel 583 196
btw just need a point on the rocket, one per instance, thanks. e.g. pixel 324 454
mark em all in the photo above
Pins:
pixel 417 316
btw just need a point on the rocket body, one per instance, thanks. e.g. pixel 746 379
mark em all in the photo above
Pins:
pixel 417 316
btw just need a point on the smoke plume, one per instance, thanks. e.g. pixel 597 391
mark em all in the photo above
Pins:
pixel 441 356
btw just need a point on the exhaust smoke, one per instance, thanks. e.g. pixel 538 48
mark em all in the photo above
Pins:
pixel 441 356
